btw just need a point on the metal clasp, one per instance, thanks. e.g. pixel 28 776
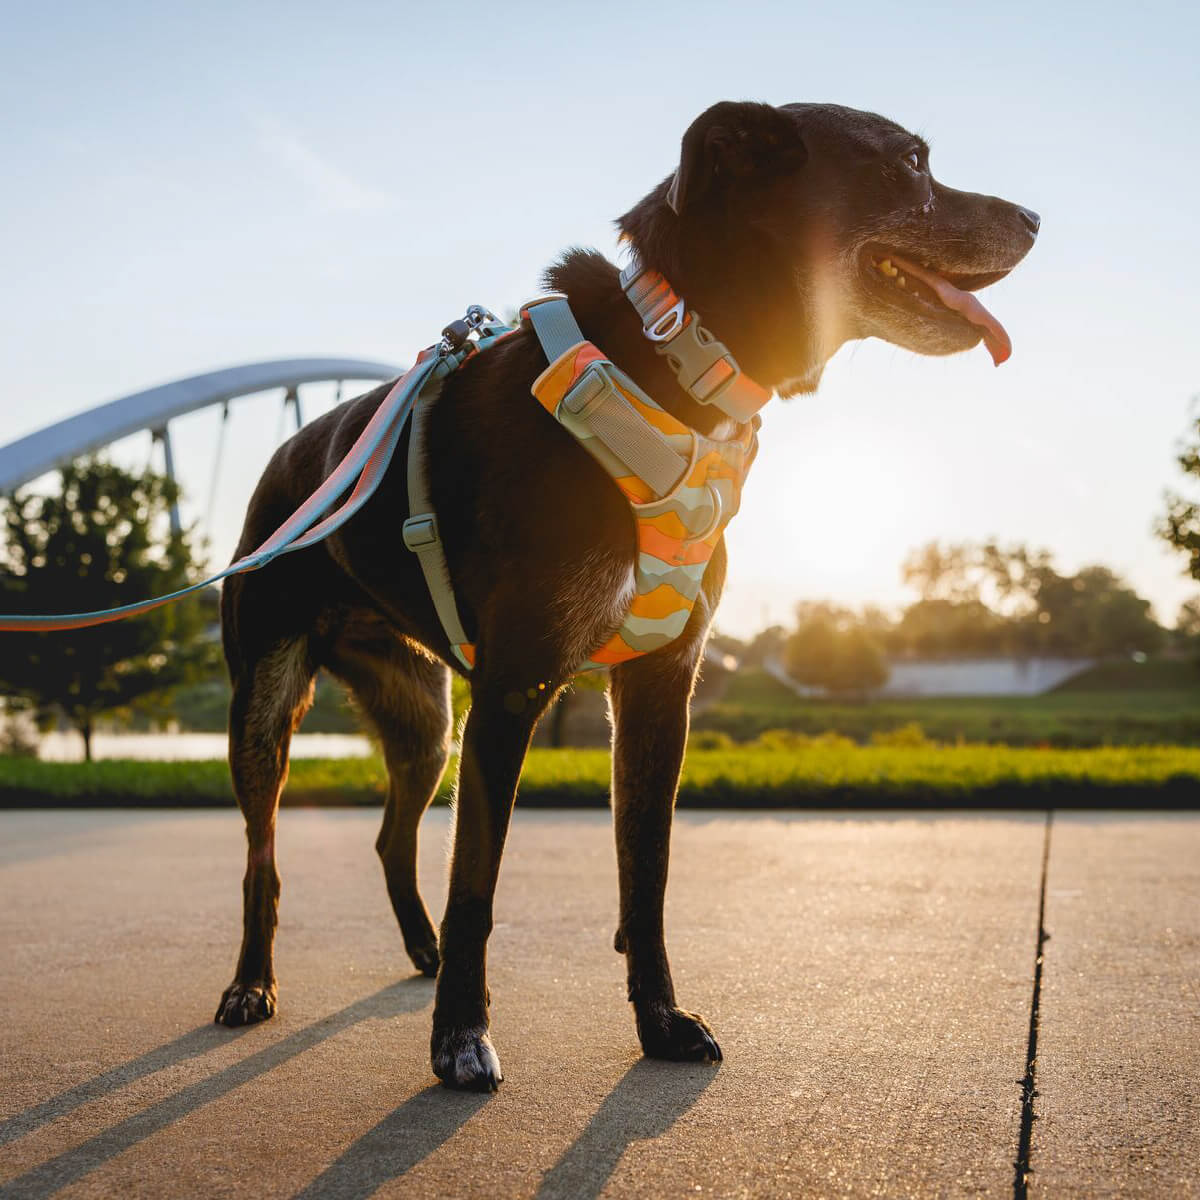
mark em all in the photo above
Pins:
pixel 456 334
pixel 663 328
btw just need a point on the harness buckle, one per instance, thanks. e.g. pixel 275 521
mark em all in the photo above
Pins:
pixel 420 531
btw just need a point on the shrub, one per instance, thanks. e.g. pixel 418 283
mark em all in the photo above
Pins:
pixel 910 734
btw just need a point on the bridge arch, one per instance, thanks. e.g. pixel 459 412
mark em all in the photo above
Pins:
pixel 33 455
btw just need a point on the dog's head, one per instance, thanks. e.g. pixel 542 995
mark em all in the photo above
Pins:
pixel 808 225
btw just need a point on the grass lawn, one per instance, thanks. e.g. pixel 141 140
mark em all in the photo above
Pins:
pixel 818 774
pixel 1114 705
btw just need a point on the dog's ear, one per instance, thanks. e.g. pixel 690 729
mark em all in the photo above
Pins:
pixel 733 140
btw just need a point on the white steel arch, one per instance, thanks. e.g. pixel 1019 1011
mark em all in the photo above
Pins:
pixel 33 455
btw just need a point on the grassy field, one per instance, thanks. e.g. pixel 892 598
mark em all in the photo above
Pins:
pixel 817 773
pixel 1123 704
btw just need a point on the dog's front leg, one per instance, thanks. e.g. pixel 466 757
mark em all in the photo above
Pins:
pixel 495 740
pixel 650 698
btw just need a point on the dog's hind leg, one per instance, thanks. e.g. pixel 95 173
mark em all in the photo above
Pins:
pixel 270 697
pixel 650 698
pixel 406 696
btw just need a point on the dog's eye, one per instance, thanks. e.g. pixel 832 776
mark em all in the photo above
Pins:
pixel 912 160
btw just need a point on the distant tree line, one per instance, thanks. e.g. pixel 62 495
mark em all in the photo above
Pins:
pixel 976 600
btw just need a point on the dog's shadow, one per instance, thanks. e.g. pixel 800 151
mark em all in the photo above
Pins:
pixel 405 996
pixel 647 1101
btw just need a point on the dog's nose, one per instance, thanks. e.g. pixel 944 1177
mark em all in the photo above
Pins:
pixel 1031 220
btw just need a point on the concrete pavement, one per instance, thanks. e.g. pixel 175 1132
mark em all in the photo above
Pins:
pixel 869 978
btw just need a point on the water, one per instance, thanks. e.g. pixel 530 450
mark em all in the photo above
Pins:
pixel 68 747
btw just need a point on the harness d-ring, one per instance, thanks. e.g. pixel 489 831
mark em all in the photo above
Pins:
pixel 718 509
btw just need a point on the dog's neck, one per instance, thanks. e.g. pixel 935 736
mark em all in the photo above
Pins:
pixel 750 290
pixel 607 317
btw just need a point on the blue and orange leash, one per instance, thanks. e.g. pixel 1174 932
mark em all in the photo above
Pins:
pixel 362 468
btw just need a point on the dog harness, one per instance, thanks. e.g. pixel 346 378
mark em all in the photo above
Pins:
pixel 682 486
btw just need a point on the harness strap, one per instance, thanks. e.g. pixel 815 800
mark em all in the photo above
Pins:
pixel 554 324
pixel 422 536
pixel 597 403
pixel 597 407
pixel 703 365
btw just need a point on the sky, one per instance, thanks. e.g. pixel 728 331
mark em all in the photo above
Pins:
pixel 190 187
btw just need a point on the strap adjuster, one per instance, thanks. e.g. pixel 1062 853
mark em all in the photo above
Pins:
pixel 420 531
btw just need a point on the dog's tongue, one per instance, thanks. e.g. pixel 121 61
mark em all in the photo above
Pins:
pixel 995 336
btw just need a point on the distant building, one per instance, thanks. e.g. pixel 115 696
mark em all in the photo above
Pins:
pixel 962 676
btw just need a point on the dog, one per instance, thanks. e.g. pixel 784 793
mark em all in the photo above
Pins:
pixel 790 230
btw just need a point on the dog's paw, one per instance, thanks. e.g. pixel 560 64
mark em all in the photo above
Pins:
pixel 425 958
pixel 678 1036
pixel 246 1004
pixel 466 1058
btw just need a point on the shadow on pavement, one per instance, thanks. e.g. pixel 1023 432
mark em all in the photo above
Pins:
pixel 649 1099
pixel 401 1140
pixel 190 1045
pixel 404 996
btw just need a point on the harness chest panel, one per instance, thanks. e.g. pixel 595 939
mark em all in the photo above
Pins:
pixel 677 531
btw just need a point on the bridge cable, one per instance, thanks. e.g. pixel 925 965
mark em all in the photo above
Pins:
pixel 218 455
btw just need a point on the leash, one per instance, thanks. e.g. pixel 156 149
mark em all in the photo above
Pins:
pixel 363 466
pixel 683 488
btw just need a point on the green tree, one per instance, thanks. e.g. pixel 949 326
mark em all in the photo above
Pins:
pixel 102 541
pixel 1180 524
pixel 832 649
pixel 986 598
pixel 1187 622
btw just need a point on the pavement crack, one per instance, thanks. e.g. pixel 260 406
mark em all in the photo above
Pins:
pixel 1023 1167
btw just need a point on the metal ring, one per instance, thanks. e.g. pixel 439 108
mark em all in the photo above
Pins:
pixel 664 328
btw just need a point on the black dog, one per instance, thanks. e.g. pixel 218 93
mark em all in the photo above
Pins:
pixel 789 230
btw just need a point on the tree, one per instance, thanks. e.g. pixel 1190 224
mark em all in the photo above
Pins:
pixel 101 542
pixel 1180 524
pixel 986 598
pixel 833 650
pixel 1187 623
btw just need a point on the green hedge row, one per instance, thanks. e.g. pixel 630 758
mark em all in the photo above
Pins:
pixel 812 775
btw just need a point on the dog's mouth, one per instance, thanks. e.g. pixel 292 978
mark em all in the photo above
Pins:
pixel 936 294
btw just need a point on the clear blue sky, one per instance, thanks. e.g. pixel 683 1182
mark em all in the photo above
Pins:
pixel 191 189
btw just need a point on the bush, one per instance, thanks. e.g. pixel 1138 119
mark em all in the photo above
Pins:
pixel 710 739
pixel 789 739
pixel 903 735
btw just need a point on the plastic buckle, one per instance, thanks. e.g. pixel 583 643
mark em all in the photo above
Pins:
pixel 704 366
pixel 708 387
pixel 588 391
pixel 420 531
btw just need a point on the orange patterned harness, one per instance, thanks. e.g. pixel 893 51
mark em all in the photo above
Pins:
pixel 676 531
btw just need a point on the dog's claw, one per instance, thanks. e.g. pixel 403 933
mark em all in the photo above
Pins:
pixel 243 1004
pixel 677 1036
pixel 466 1059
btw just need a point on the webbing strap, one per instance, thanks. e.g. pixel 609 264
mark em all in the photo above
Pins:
pixel 703 365
pixel 421 534
pixel 598 406
pixel 554 324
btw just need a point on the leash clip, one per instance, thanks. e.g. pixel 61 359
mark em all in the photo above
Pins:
pixel 456 335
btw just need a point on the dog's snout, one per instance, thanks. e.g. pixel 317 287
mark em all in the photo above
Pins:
pixel 1030 220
